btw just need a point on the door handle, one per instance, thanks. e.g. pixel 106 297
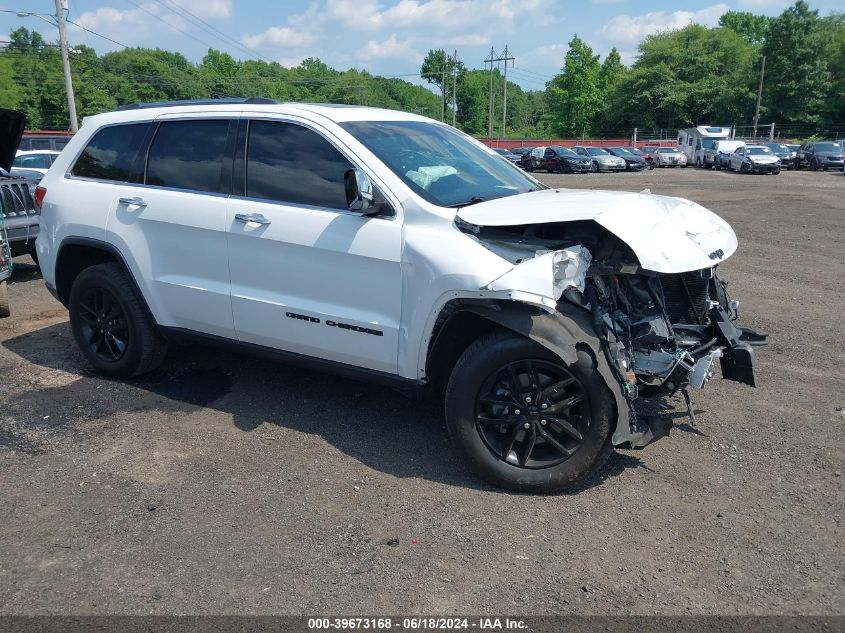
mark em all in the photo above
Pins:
pixel 251 217
pixel 138 202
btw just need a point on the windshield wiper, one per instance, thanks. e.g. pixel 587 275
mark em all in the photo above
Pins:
pixel 471 201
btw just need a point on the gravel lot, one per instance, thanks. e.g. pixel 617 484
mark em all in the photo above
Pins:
pixel 224 484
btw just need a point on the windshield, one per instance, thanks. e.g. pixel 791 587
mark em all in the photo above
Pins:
pixel 827 147
pixel 620 151
pixel 564 151
pixel 596 151
pixel 759 150
pixel 501 151
pixel 667 150
pixel 444 166
pixel 707 143
pixel 778 148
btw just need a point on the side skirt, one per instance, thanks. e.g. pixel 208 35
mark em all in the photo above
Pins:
pixel 408 387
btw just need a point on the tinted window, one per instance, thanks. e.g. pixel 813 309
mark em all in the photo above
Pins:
pixel 290 163
pixel 188 155
pixel 40 143
pixel 32 161
pixel 111 154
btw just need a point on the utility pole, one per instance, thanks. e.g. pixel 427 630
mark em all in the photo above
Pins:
pixel 759 96
pixel 71 102
pixel 455 88
pixel 490 119
pixel 443 87
pixel 505 59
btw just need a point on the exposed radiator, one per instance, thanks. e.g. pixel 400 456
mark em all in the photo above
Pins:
pixel 686 305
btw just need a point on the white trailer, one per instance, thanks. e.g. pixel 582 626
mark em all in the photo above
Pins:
pixel 694 141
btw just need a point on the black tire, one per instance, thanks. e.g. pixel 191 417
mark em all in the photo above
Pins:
pixel 743 168
pixel 593 415
pixel 4 300
pixel 814 164
pixel 595 167
pixel 123 343
pixel 776 172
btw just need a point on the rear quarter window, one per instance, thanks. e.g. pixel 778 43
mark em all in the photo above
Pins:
pixel 113 154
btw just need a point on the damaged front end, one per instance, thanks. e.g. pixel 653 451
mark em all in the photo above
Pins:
pixel 655 333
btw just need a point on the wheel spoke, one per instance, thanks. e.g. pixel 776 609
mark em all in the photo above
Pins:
pixel 566 404
pixel 513 377
pixel 557 445
pixel 556 388
pixel 529 446
pixel 494 400
pixel 567 427
pixel 507 445
pixel 533 380
pixel 484 420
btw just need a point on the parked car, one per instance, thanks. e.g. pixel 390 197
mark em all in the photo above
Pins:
pixel 504 153
pixel 754 159
pixel 649 153
pixel 524 154
pixel 394 248
pixel 720 153
pixel 602 159
pixel 670 157
pixel 18 221
pixel 17 189
pixel 786 155
pixel 559 159
pixel 633 162
pixel 37 160
pixel 56 142
pixel 820 155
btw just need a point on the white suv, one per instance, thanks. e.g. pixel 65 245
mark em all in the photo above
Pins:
pixel 394 248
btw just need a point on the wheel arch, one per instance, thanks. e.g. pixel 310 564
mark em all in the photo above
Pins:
pixel 75 254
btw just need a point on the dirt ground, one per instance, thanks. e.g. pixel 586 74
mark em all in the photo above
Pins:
pixel 224 484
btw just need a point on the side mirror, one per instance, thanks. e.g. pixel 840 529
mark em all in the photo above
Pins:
pixel 359 191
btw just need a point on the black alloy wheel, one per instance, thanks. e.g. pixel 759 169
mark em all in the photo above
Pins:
pixel 532 413
pixel 103 324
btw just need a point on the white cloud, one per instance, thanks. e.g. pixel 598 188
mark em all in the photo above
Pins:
pixel 630 29
pixel 763 3
pixel 279 36
pixel 391 48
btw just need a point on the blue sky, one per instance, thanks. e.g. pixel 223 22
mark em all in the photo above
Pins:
pixel 388 37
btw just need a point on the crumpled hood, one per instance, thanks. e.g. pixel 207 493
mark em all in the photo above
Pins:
pixel 12 124
pixel 668 235
pixel 764 160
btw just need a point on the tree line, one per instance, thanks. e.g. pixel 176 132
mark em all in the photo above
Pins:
pixel 684 77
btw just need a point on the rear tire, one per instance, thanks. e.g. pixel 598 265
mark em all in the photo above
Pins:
pixel 4 300
pixel 483 390
pixel 110 324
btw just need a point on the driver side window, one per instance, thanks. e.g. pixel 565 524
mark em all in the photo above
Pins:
pixel 286 162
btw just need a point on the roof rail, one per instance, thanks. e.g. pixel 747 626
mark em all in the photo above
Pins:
pixel 189 102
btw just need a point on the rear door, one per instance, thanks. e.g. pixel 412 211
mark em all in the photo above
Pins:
pixel 308 275
pixel 173 224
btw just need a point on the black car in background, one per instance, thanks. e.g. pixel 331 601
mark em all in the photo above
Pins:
pixel 559 159
pixel 633 162
pixel 820 155
pixel 506 153
pixel 786 155
pixel 524 154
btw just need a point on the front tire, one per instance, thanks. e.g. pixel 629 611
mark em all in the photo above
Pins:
pixel 110 324
pixel 540 449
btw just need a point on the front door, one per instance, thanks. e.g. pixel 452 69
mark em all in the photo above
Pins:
pixel 308 275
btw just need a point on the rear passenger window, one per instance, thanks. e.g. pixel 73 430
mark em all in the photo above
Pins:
pixel 112 153
pixel 290 163
pixel 188 155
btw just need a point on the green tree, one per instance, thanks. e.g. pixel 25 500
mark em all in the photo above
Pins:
pixel 797 81
pixel 575 94
pixel 751 27
pixel 684 77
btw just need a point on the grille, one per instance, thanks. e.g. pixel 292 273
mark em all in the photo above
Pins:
pixel 16 199
pixel 678 304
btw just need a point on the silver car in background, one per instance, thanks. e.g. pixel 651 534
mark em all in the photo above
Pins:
pixel 670 157
pixel 602 159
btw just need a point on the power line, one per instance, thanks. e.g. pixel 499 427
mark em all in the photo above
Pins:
pixel 163 21
pixel 211 30
pixel 69 21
